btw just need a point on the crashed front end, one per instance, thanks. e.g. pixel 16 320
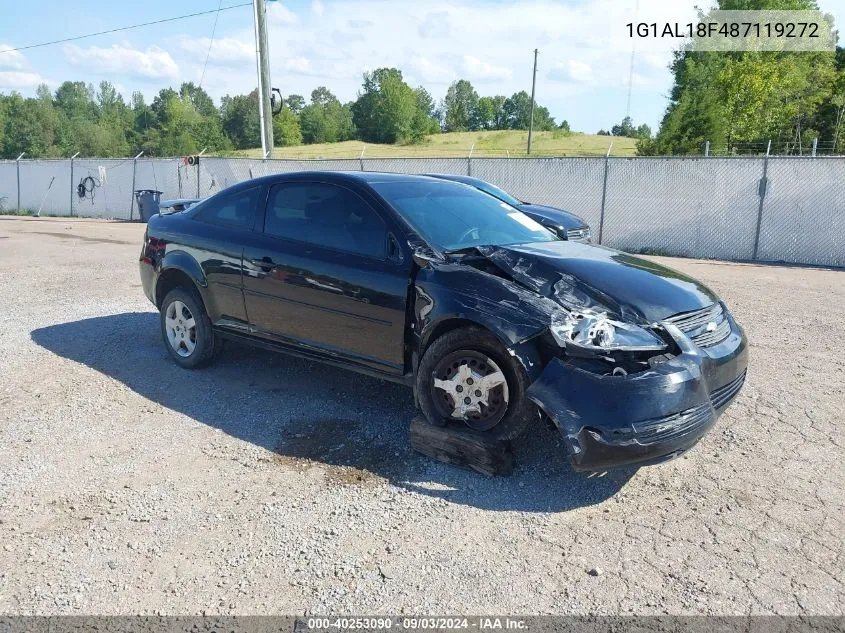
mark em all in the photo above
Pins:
pixel 621 418
pixel 634 363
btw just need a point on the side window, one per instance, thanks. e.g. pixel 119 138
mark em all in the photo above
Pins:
pixel 325 215
pixel 235 209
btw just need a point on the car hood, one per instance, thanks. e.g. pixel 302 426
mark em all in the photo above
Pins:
pixel 582 275
pixel 561 218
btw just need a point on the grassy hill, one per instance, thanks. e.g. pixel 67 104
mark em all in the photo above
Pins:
pixel 493 143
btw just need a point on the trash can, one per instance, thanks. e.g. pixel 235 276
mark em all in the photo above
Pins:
pixel 148 200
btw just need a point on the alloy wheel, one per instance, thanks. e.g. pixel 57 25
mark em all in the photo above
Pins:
pixel 181 328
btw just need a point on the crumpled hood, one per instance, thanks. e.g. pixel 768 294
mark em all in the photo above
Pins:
pixel 559 217
pixel 584 275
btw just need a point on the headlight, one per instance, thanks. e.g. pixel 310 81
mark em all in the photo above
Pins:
pixel 594 331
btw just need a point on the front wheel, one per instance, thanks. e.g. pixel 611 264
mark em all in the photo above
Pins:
pixel 467 376
pixel 186 329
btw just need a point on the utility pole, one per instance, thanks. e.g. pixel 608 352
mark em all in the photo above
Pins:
pixel 533 86
pixel 262 53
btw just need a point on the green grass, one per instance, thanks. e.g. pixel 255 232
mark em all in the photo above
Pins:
pixel 499 143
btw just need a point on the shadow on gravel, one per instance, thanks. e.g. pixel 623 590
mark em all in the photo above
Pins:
pixel 306 413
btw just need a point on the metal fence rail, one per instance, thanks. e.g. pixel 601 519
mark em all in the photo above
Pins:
pixel 789 209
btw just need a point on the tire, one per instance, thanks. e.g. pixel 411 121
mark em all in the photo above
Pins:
pixel 191 346
pixel 469 346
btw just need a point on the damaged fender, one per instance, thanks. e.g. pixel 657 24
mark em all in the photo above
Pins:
pixel 512 314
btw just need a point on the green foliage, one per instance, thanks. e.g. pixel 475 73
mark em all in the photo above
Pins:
pixel 732 99
pixel 295 103
pixel 388 110
pixel 240 119
pixel 325 119
pixel 627 128
pixel 78 117
pixel 286 131
pixel 459 106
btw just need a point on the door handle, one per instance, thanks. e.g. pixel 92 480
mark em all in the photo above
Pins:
pixel 264 262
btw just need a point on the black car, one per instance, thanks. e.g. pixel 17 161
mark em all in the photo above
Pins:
pixel 488 316
pixel 565 224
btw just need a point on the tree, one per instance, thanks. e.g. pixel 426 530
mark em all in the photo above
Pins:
pixel 199 99
pixel 75 100
pixel 325 119
pixel 241 123
pixel 425 120
pixel 484 116
pixel 286 130
pixel 24 129
pixel 295 103
pixel 731 99
pixel 459 105
pixel 386 109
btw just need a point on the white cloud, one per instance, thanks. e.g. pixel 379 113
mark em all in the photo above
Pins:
pixel 11 60
pixel 571 70
pixel 318 8
pixel 277 13
pixel 430 71
pixel 16 79
pixel 435 24
pixel 152 63
pixel 224 51
pixel 298 65
pixel 15 71
pixel 481 70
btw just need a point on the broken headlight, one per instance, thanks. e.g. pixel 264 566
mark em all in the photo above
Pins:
pixel 594 331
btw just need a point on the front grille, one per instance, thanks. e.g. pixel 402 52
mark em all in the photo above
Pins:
pixel 706 327
pixel 578 235
pixel 723 395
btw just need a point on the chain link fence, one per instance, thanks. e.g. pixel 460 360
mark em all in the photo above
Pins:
pixel 787 209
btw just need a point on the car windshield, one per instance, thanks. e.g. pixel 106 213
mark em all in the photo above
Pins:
pixel 501 194
pixel 453 216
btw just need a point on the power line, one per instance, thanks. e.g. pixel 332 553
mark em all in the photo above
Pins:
pixel 211 42
pixel 125 28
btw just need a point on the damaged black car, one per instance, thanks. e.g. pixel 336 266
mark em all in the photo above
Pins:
pixel 492 319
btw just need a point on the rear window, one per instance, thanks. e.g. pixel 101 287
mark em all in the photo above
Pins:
pixel 232 209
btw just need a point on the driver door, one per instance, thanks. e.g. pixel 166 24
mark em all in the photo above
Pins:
pixel 322 275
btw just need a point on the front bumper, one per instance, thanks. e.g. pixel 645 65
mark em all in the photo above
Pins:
pixel 648 417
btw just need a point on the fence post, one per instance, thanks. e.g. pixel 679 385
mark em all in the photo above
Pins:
pixel 706 149
pixel 72 188
pixel 361 158
pixel 469 160
pixel 761 191
pixel 604 191
pixel 18 166
pixel 815 144
pixel 132 193
pixel 198 170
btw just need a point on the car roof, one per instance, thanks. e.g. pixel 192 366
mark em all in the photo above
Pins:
pixel 368 177
pixel 467 180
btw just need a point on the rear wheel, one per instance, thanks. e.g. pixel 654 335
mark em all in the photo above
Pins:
pixel 186 329
pixel 467 376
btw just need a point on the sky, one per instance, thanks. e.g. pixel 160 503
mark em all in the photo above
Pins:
pixel 583 70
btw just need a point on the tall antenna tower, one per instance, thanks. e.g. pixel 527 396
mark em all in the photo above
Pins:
pixel 631 67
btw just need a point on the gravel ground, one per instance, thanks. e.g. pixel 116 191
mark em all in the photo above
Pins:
pixel 266 484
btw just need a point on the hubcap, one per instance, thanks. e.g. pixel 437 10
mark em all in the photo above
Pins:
pixel 181 329
pixel 469 386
